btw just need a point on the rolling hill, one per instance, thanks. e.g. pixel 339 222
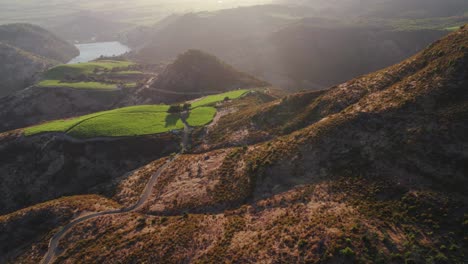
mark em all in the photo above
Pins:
pixel 77 89
pixel 193 74
pixel 372 170
pixel 197 72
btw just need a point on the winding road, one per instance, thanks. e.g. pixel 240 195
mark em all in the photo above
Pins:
pixel 53 251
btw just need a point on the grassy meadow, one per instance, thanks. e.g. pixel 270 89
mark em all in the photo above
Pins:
pixel 213 99
pixel 201 116
pixel 77 85
pixel 134 120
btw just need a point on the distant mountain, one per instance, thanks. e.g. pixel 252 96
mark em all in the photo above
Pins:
pixel 291 47
pixel 237 36
pixel 38 41
pixel 25 52
pixel 315 55
pixel 386 8
pixel 89 28
pixel 195 71
pixel 372 170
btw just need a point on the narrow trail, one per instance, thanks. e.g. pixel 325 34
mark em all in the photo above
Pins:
pixel 53 251
pixel 187 131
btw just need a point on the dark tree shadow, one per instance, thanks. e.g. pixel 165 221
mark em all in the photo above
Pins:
pixel 171 120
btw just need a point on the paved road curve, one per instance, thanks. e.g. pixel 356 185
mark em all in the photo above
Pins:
pixel 54 241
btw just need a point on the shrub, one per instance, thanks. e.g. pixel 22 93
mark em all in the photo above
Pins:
pixel 441 258
pixel 348 252
pixel 174 109
pixel 302 243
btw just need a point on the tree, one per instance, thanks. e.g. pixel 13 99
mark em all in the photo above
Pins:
pixel 174 109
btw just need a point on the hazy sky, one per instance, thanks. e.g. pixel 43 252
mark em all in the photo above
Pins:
pixel 132 11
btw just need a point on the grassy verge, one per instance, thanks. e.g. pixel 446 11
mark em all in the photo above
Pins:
pixel 213 99
pixel 77 85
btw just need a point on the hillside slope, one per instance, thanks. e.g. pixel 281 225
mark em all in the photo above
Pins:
pixel 38 41
pixel 19 69
pixel 91 153
pixel 373 170
pixel 26 51
pixel 316 55
pixel 301 110
pixel 36 104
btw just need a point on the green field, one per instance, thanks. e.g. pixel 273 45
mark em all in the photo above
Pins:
pixel 128 72
pixel 77 85
pixel 213 99
pixel 67 125
pixel 59 76
pixel 59 72
pixel 127 124
pixel 134 120
pixel 201 116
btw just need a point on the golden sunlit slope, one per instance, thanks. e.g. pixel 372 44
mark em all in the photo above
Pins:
pixel 442 61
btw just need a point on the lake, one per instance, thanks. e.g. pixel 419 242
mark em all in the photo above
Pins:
pixel 92 51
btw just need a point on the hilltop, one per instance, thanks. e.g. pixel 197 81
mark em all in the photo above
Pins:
pixel 197 72
pixel 192 74
pixel 372 170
